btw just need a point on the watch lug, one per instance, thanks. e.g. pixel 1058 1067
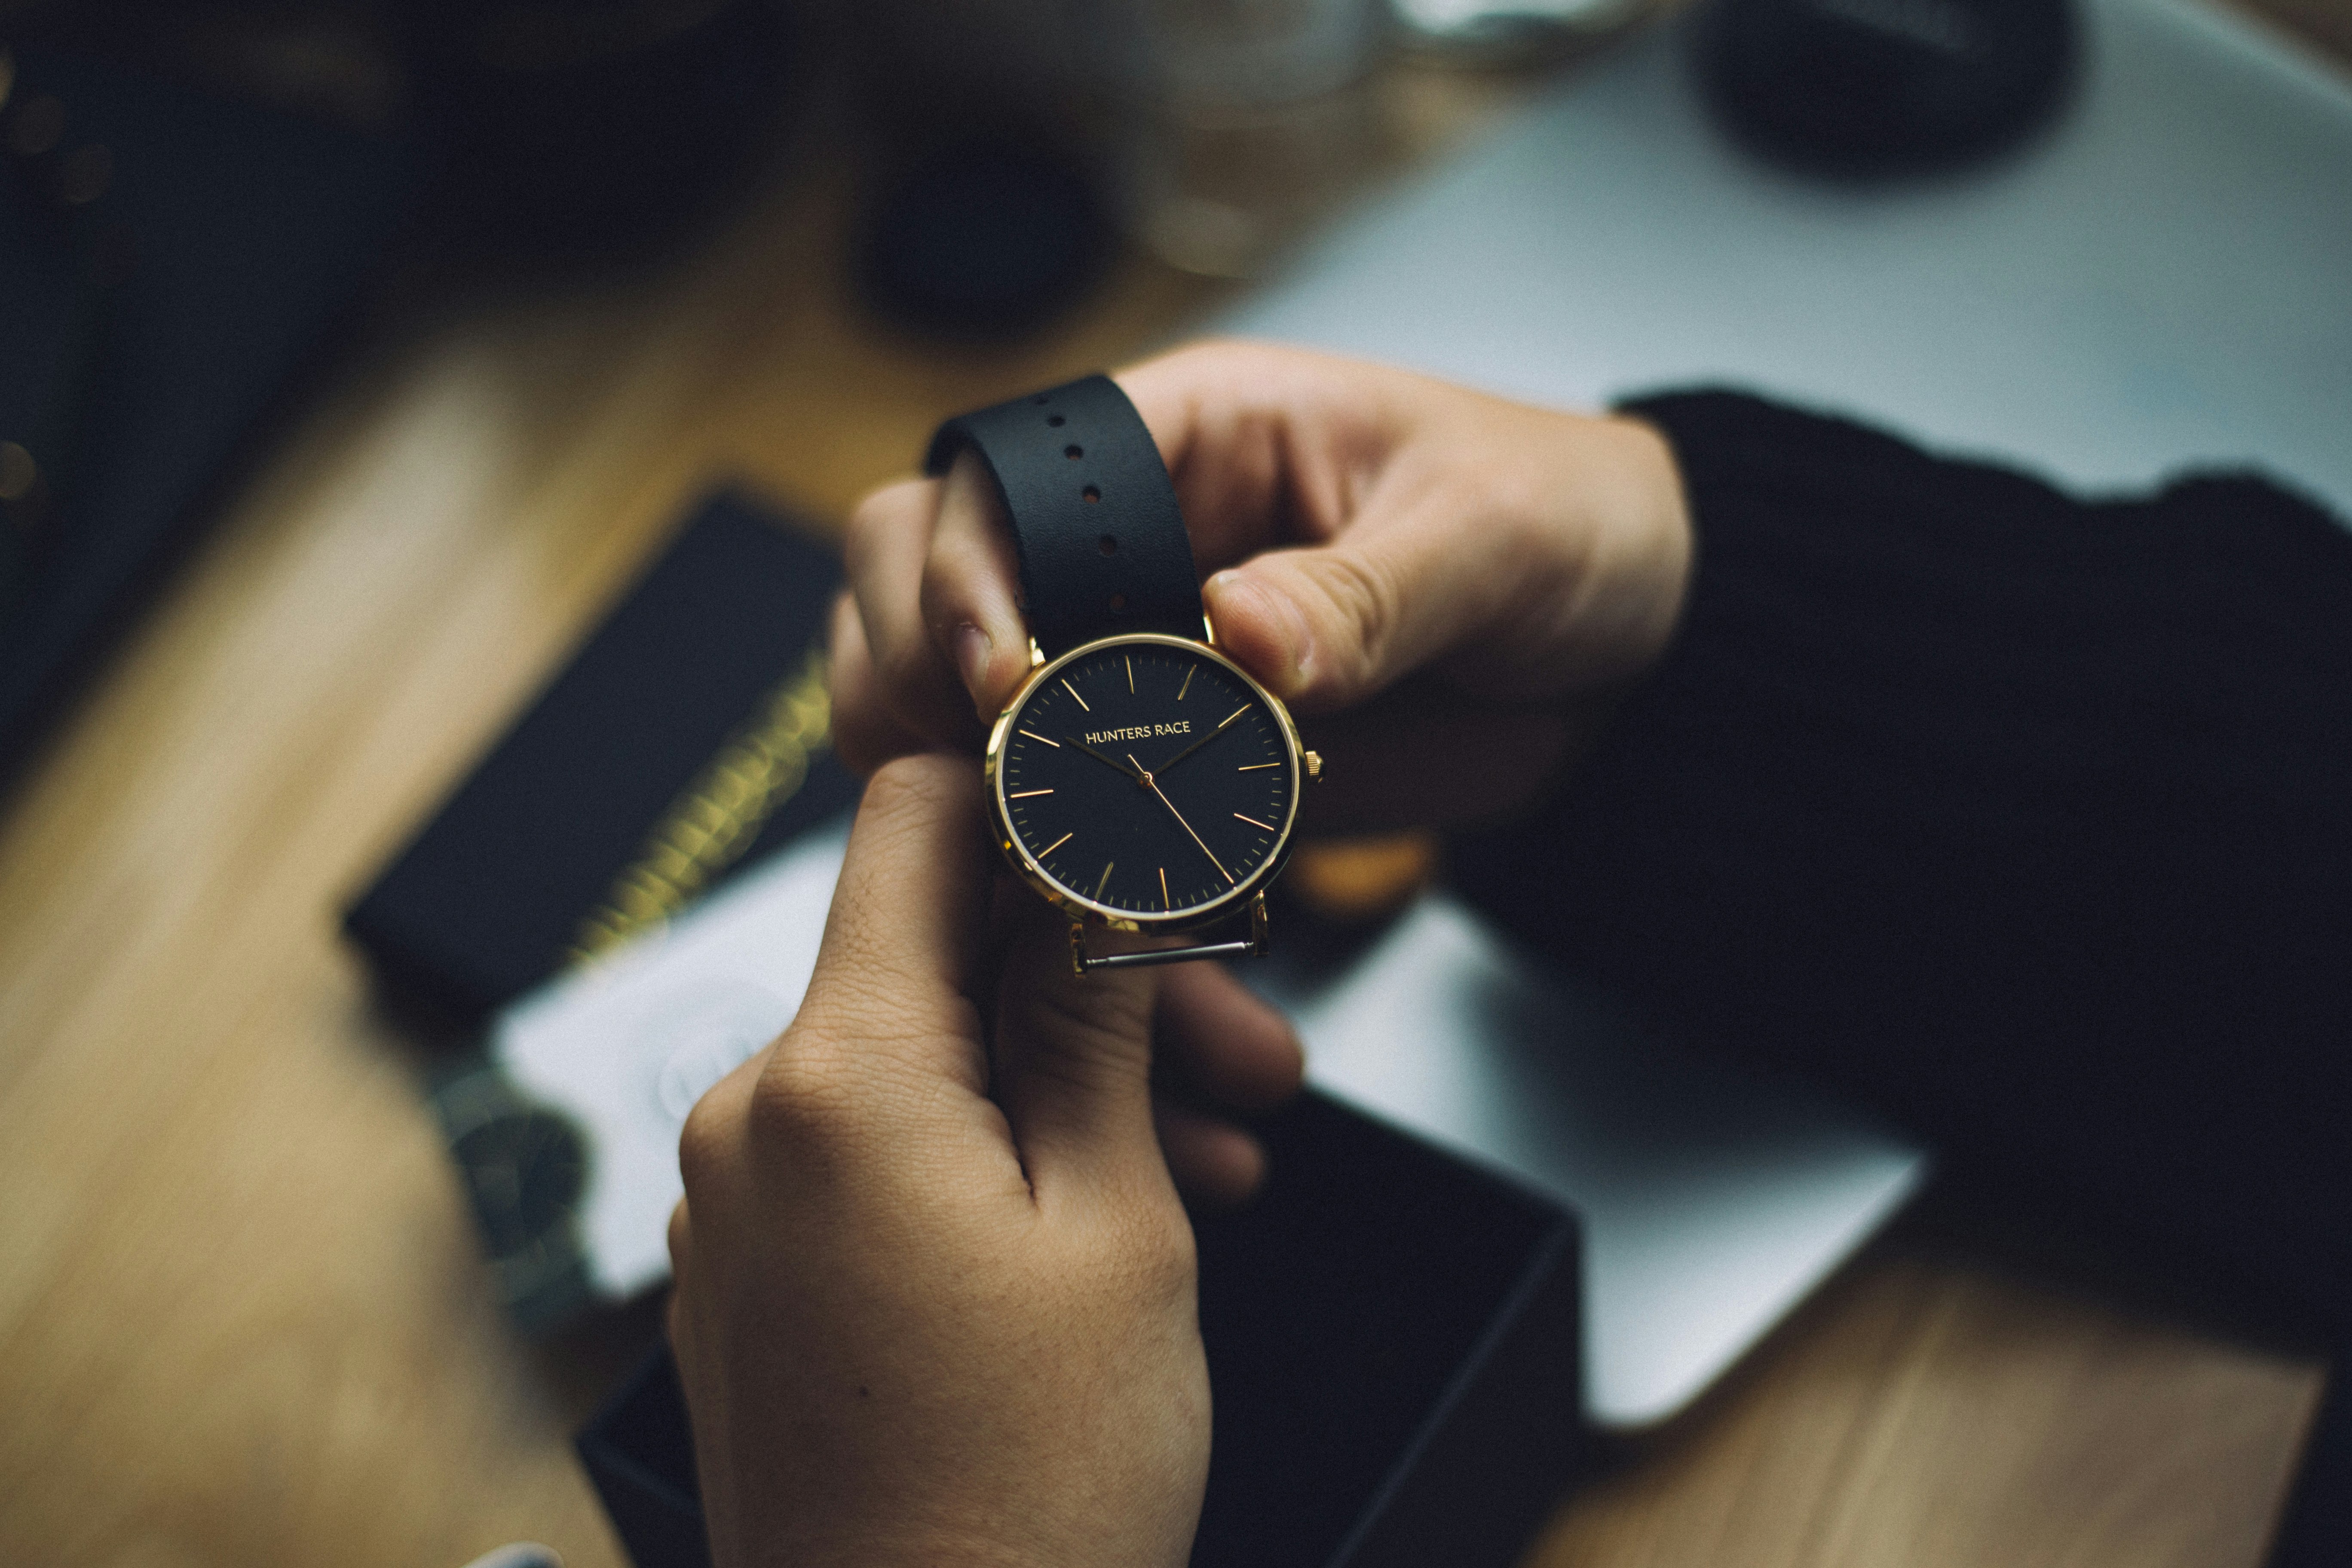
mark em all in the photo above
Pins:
pixel 1077 945
pixel 1210 627
pixel 1257 937
pixel 1036 654
pixel 1314 766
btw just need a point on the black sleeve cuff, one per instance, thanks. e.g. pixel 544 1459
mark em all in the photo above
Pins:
pixel 2029 818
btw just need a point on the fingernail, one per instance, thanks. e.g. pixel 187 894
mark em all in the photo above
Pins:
pixel 1240 596
pixel 972 649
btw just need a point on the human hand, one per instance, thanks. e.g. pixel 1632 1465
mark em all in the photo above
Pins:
pixel 1447 585
pixel 923 1316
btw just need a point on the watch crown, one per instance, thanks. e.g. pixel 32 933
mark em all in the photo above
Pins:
pixel 1314 767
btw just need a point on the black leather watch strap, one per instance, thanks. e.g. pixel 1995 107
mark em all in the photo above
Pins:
pixel 1101 544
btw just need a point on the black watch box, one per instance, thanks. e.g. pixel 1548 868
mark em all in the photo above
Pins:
pixel 1395 1358
pixel 686 737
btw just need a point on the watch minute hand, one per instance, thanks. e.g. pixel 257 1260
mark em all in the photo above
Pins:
pixel 1105 759
pixel 1203 740
pixel 1189 750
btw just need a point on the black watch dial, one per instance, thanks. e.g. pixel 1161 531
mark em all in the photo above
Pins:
pixel 1148 777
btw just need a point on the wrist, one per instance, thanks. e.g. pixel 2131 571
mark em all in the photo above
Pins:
pixel 1643 549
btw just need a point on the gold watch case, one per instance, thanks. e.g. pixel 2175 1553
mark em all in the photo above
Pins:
pixel 1246 898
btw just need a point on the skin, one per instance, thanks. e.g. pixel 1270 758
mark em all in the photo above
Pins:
pixel 925 1314
pixel 1445 587
pixel 932 1309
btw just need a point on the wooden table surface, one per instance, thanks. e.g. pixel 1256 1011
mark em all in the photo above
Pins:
pixel 242 1316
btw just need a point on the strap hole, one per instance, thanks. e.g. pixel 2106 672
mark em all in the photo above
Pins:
pixel 1039 400
pixel 1056 420
pixel 1119 603
pixel 1091 493
pixel 1074 453
pixel 1108 544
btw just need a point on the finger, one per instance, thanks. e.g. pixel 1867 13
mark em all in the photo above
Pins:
pixel 686 1285
pixel 1214 1162
pixel 1073 1060
pixel 1359 469
pixel 890 538
pixel 1328 626
pixel 1220 1041
pixel 1534 553
pixel 1266 444
pixel 972 586
pixel 864 733
pixel 901 939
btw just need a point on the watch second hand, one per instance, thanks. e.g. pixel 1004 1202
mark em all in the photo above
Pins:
pixel 1153 786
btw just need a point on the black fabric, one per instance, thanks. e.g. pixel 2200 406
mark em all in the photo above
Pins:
pixel 2028 819
pixel 2024 815
pixel 146 336
pixel 1102 546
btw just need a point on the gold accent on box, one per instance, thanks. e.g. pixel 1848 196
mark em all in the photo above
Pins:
pixel 717 816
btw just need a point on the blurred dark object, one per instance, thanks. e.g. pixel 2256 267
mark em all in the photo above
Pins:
pixel 525 1168
pixel 2316 1527
pixel 1507 35
pixel 1395 1351
pixel 1257 118
pixel 983 239
pixel 593 129
pixel 1876 89
pixel 1356 882
pixel 326 60
pixel 686 737
pixel 172 261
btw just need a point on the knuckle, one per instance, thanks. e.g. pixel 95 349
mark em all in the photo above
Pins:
pixel 805 1093
pixel 1365 595
pixel 704 1144
pixel 906 789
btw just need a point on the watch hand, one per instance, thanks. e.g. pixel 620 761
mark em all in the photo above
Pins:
pixel 1203 740
pixel 1134 773
pixel 1153 784
pixel 1188 751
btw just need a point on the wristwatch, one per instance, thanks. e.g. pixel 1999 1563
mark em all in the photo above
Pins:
pixel 1139 779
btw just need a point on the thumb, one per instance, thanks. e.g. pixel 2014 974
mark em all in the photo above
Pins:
pixel 1325 626
pixel 1073 1067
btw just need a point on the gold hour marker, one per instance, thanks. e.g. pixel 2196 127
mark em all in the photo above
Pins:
pixel 1057 843
pixel 1165 901
pixel 1253 822
pixel 1187 682
pixel 1259 767
pixel 1128 659
pixel 1233 715
pixel 1035 736
pixel 1027 793
pixel 1073 692
pixel 1104 880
